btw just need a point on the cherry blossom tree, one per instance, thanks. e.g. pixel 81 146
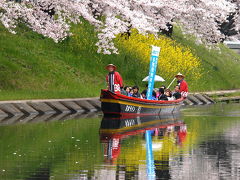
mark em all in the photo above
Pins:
pixel 53 18
pixel 231 28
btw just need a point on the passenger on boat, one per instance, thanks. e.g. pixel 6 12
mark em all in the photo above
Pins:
pixel 176 93
pixel 182 84
pixel 131 91
pixel 127 90
pixel 157 92
pixel 144 94
pixel 124 92
pixel 162 96
pixel 136 93
pixel 164 87
pixel 146 88
pixel 154 95
pixel 168 93
pixel 114 79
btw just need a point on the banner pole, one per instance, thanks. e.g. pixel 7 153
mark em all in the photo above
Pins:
pixel 152 70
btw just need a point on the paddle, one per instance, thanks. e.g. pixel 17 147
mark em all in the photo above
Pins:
pixel 171 83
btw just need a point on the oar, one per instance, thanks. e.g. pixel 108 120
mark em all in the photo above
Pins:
pixel 171 83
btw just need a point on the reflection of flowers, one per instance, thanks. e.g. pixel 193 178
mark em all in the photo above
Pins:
pixel 176 134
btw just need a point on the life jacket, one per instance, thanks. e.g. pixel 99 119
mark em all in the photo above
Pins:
pixel 114 81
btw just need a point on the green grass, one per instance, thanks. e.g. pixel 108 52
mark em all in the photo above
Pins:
pixel 34 67
pixel 221 69
pixel 233 94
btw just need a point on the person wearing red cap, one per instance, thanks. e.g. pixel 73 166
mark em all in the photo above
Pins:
pixel 183 85
pixel 114 79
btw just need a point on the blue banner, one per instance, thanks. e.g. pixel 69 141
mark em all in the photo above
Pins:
pixel 152 71
pixel 150 160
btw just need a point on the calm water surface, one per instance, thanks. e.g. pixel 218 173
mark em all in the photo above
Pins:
pixel 201 143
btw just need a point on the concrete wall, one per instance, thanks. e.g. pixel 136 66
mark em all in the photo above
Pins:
pixel 47 108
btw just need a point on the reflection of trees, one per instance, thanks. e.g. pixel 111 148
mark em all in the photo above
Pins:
pixel 217 156
pixel 219 149
pixel 41 174
pixel 225 152
pixel 162 169
pixel 56 149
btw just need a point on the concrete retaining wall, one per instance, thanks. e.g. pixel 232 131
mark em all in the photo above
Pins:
pixel 45 109
pixel 211 97
pixel 235 99
pixel 198 99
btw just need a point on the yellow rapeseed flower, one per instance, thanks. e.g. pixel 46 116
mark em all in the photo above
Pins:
pixel 174 57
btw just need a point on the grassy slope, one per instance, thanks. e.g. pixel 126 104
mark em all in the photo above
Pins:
pixel 221 69
pixel 35 67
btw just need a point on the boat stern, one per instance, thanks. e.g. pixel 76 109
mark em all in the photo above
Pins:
pixel 109 103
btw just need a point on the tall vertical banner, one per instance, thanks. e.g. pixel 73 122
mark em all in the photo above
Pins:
pixel 152 71
pixel 151 79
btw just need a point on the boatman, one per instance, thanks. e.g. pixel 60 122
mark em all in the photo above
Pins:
pixel 114 79
pixel 182 84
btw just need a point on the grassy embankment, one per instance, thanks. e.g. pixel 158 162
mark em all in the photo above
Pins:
pixel 221 69
pixel 34 67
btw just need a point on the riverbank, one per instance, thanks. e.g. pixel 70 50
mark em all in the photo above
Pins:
pixel 47 109
pixel 211 97
pixel 33 67
pixel 226 96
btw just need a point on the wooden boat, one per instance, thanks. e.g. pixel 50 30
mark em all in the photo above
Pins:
pixel 118 104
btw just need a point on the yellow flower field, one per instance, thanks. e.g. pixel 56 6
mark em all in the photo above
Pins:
pixel 174 57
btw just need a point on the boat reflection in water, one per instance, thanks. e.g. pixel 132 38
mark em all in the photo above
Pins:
pixel 168 133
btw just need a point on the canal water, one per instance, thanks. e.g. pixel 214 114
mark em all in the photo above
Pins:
pixel 202 142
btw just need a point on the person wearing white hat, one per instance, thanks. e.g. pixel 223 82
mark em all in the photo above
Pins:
pixel 182 84
pixel 114 79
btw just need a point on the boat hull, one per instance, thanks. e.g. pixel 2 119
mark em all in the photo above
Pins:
pixel 124 126
pixel 117 104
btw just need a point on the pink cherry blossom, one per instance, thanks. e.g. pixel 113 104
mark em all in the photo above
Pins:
pixel 53 18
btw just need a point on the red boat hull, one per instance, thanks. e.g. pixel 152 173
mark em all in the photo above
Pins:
pixel 118 104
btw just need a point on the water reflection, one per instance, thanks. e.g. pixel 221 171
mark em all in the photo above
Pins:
pixel 165 131
pixel 36 118
pixel 202 143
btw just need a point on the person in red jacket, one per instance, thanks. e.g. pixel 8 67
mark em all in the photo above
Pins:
pixel 182 84
pixel 114 79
